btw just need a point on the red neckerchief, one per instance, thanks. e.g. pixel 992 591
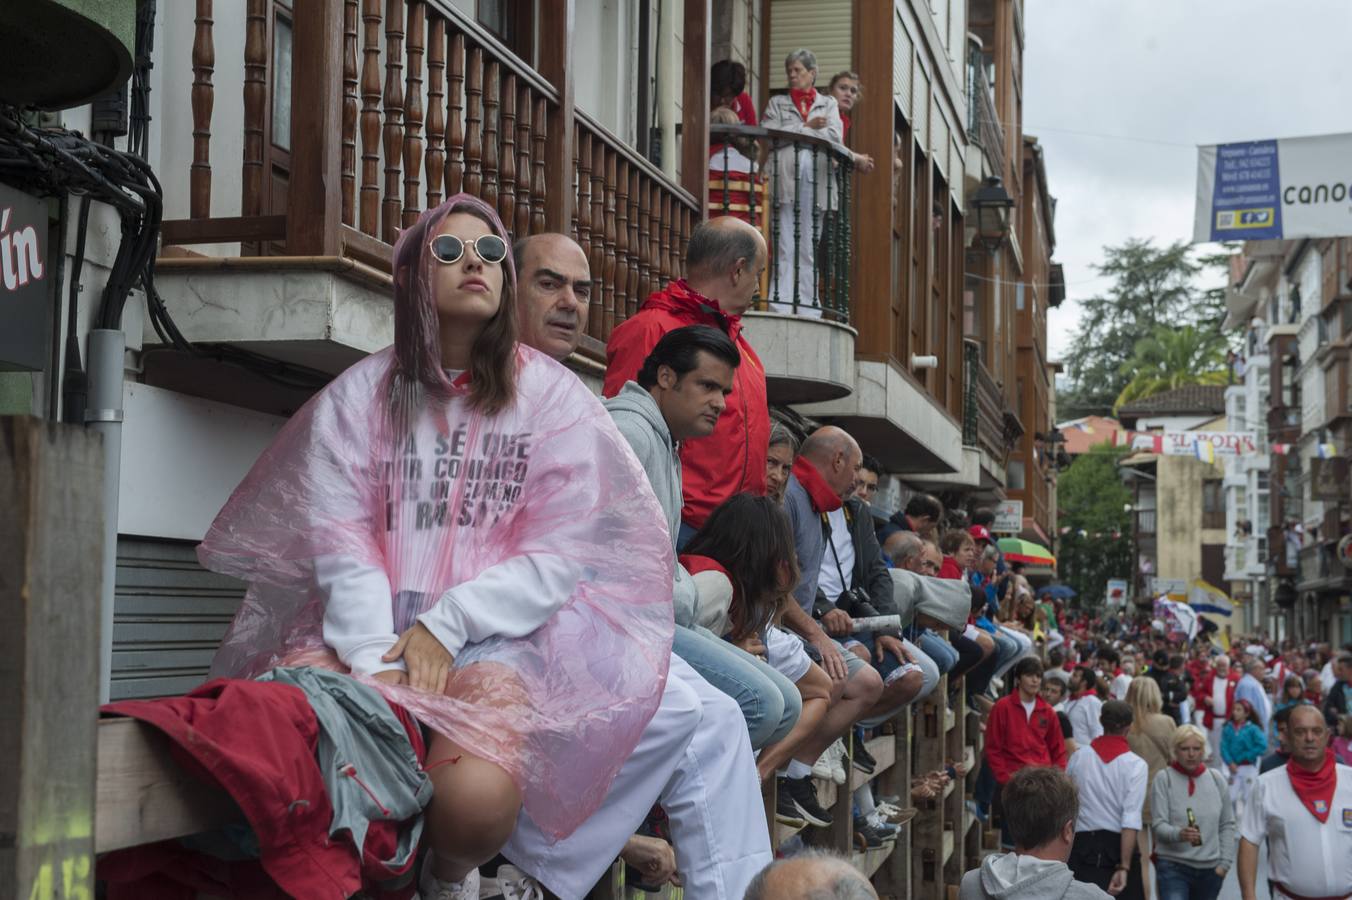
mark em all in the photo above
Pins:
pixel 696 564
pixel 1110 746
pixel 746 112
pixel 1117 671
pixel 1082 694
pixel 1192 775
pixel 1315 789
pixel 824 500
pixel 844 126
pixel 803 100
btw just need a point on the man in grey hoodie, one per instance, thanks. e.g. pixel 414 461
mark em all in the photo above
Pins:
pixel 1040 809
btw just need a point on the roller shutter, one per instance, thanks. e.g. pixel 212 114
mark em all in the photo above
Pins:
pixel 902 52
pixel 169 617
pixel 822 26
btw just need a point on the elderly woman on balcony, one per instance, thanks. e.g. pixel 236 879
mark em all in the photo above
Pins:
pixel 801 191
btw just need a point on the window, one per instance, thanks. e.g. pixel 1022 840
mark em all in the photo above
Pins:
pixel 281 83
pixel 1018 296
pixel 1017 475
pixel 1213 504
pixel 510 22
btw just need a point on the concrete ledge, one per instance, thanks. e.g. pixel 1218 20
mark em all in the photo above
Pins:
pixel 806 360
pixel 319 317
pixel 894 419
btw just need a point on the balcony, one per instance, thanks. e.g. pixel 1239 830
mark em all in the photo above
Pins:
pixel 289 255
pixel 983 124
pixel 800 327
pixel 988 423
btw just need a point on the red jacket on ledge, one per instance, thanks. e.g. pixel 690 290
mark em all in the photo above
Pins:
pixel 732 459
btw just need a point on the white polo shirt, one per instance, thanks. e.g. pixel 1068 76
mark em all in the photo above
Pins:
pixel 1112 795
pixel 1084 718
pixel 1313 859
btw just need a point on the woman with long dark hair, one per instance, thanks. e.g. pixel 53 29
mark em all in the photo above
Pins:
pixel 446 521
pixel 744 556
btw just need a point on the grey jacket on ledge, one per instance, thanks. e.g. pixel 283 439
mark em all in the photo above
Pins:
pixel 637 417
pixel 1014 877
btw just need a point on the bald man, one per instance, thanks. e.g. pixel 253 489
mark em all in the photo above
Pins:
pixel 809 875
pixel 553 285
pixel 724 262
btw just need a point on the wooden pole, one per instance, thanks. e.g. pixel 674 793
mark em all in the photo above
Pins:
pixel 557 23
pixel 51 526
pixel 314 198
pixel 695 103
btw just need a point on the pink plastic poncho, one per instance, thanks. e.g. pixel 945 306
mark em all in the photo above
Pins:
pixel 374 473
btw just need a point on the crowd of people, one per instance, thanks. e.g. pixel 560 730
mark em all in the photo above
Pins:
pixel 614 621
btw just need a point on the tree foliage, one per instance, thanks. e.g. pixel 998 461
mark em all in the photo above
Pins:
pixel 1095 540
pixel 1172 358
pixel 1152 287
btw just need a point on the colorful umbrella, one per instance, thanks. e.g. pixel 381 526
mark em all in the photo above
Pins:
pixel 1021 551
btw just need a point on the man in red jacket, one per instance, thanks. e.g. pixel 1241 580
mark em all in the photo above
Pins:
pixel 724 262
pixel 1022 730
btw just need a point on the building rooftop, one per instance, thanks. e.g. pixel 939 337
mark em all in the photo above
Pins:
pixel 1194 398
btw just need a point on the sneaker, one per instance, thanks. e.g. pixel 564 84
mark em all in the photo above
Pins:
pixel 430 887
pixel 803 794
pixel 871 837
pixel 886 830
pixel 838 773
pixel 863 760
pixel 511 884
pixel 786 813
pixel 897 815
pixel 822 767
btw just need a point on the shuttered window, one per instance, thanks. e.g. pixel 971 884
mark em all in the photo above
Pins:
pixel 902 53
pixel 822 26
pixel 169 617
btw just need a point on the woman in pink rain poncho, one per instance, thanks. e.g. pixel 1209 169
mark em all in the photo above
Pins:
pixel 456 520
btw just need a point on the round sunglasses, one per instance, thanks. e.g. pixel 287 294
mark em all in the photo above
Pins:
pixel 447 248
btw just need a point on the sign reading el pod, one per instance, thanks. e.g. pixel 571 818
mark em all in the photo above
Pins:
pixel 1286 188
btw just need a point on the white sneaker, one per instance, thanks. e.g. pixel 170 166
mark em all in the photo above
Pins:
pixel 838 773
pixel 822 767
pixel 511 884
pixel 430 887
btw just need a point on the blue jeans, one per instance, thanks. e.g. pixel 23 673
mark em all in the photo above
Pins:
pixel 770 702
pixel 939 650
pixel 1179 882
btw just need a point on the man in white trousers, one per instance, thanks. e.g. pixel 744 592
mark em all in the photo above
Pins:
pixel 695 755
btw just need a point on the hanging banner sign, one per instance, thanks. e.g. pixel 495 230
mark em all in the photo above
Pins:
pixel 1205 445
pixel 1286 188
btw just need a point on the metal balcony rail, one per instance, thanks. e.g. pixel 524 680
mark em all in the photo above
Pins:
pixel 987 420
pixel 983 123
pixel 797 189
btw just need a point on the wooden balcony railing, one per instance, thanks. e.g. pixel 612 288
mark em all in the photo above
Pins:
pixel 394 105
pixel 822 207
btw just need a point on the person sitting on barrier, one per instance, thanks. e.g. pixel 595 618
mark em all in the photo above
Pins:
pixel 922 514
pixel 779 459
pixel 684 758
pixel 811 875
pixel 960 556
pixel 1041 805
pixel 744 567
pixel 823 475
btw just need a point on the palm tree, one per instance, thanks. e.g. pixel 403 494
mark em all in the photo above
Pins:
pixel 1173 358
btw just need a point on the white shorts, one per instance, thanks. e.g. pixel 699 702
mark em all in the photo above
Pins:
pixel 785 653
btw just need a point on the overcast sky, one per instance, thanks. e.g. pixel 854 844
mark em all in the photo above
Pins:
pixel 1169 74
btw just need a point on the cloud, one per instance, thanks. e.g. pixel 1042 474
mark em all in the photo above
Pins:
pixel 1119 94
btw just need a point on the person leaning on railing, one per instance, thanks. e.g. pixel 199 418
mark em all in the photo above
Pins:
pixel 800 186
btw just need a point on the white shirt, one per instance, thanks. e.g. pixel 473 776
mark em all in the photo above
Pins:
pixel 1084 718
pixel 1326 678
pixel 1120 685
pixel 1112 795
pixel 1313 859
pixel 1028 707
pixel 1218 689
pixel 828 579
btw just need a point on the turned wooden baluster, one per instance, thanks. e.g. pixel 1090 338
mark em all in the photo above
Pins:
pixel 474 136
pixel 687 223
pixel 492 98
pixel 455 103
pixel 621 182
pixel 370 118
pixel 436 111
pixel 635 255
pixel 539 134
pixel 203 64
pixel 608 275
pixel 413 111
pixel 598 219
pixel 582 233
pixel 394 118
pixel 654 238
pixel 349 162
pixel 523 161
pixel 668 256
pixel 255 98
pixel 507 199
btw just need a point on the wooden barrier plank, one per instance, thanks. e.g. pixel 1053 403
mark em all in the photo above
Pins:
pixel 51 529
pixel 143 796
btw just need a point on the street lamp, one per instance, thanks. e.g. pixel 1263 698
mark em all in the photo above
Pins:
pixel 992 204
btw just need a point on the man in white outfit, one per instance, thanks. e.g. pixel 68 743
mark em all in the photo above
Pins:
pixel 1084 706
pixel 684 760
